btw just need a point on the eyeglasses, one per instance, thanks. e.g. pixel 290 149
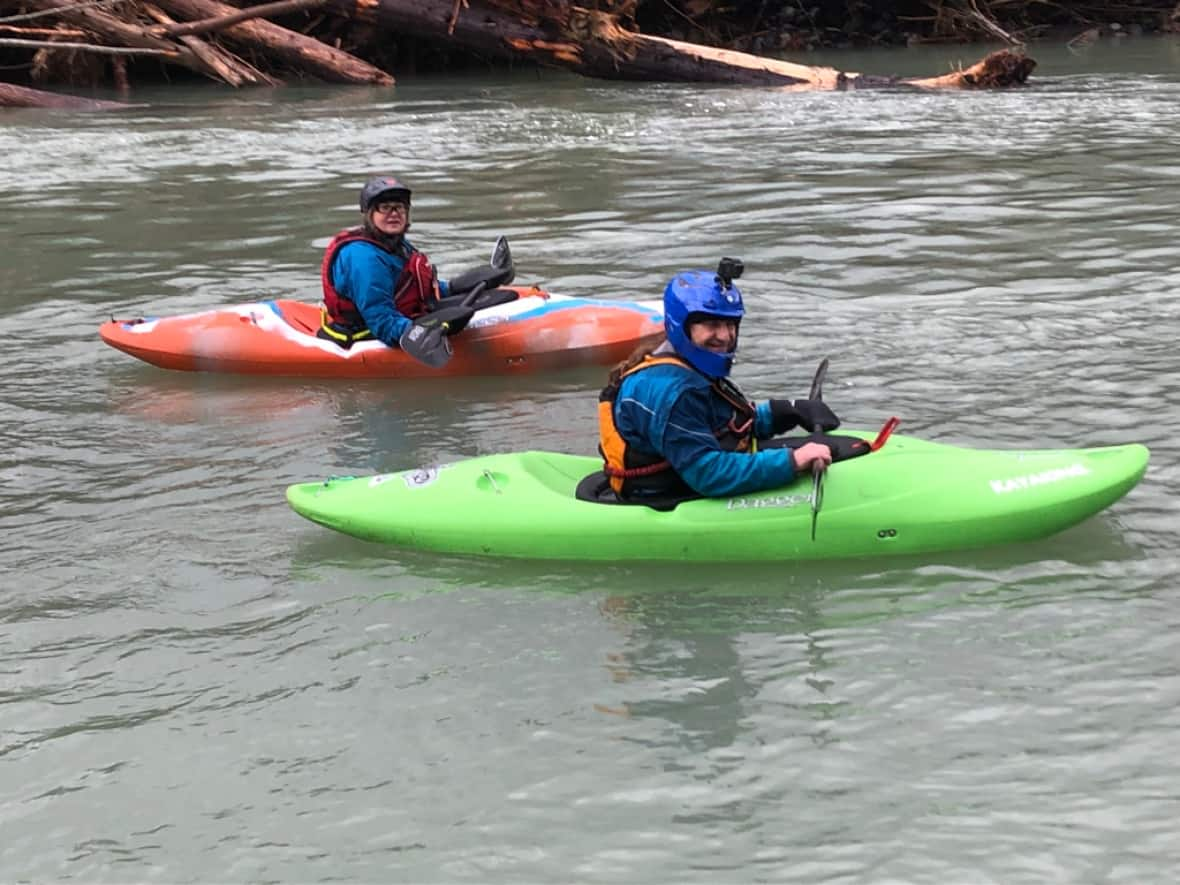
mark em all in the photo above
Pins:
pixel 390 208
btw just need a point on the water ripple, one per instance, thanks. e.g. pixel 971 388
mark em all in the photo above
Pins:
pixel 199 685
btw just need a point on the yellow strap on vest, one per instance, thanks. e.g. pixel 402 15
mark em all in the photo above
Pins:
pixel 649 361
pixel 342 338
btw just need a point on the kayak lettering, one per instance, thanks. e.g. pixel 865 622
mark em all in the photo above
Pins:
pixel 759 503
pixel 1016 483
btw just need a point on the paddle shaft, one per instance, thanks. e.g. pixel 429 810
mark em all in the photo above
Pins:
pixel 470 298
pixel 817 467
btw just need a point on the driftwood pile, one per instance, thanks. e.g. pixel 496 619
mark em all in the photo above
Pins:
pixel 243 47
pixel 205 36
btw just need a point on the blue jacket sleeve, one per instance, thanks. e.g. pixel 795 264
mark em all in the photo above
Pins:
pixel 693 450
pixel 366 275
pixel 763 421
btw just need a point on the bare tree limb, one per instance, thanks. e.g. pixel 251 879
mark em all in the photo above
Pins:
pixel 31 33
pixel 117 31
pixel 221 64
pixel 266 10
pixel 989 25
pixel 44 12
pixel 459 4
pixel 87 47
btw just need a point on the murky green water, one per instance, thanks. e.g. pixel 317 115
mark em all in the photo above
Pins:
pixel 197 685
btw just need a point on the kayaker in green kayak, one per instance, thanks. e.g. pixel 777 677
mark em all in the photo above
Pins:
pixel 671 422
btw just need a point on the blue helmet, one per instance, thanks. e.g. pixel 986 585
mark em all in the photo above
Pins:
pixel 700 292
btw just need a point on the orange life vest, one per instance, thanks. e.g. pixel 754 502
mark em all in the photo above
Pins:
pixel 630 471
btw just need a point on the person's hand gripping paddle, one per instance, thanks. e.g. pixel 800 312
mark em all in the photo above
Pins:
pixel 426 340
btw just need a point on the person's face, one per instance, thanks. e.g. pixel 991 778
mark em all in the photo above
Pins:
pixel 390 217
pixel 715 334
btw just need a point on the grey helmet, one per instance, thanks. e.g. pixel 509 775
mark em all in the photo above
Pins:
pixel 385 187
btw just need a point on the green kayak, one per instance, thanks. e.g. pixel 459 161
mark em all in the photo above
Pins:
pixel 911 496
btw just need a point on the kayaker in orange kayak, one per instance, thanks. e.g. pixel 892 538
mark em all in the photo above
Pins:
pixel 375 281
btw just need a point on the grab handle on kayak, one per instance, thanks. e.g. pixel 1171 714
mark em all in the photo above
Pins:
pixel 884 434
pixel 487 474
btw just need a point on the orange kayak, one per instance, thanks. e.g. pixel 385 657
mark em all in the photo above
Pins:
pixel 537 332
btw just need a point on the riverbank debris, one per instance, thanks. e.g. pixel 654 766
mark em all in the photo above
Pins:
pixel 95 43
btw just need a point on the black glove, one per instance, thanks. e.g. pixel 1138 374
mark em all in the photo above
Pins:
pixel 815 416
pixel 782 416
pixel 469 279
pixel 810 414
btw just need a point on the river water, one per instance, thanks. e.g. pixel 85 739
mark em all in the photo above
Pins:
pixel 198 686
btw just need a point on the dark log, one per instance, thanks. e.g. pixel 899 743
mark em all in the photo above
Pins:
pixel 306 53
pixel 558 34
pixel 998 70
pixel 22 97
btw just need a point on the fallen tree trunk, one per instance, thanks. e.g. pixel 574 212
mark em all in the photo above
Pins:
pixel 221 64
pixel 552 33
pixel 592 43
pixel 307 53
pixel 689 62
pixel 22 97
pixel 1000 69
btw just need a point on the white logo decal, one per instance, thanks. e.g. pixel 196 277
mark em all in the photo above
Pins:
pixel 414 479
pixel 1016 483
pixel 423 476
pixel 758 503
pixel 480 322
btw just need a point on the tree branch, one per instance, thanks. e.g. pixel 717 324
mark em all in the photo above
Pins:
pixel 216 24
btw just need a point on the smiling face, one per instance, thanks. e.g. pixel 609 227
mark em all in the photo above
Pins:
pixel 390 217
pixel 715 334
